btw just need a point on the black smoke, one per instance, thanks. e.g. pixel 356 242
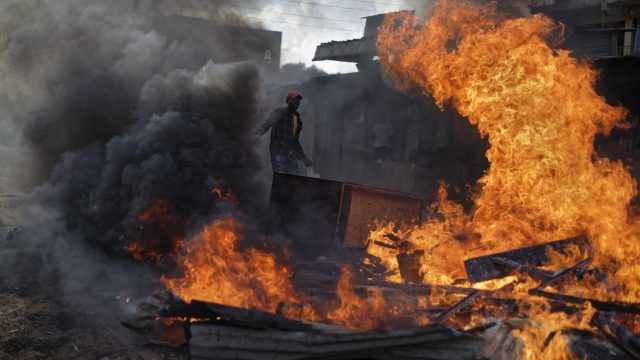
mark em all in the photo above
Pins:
pixel 126 134
pixel 193 134
pixel 120 117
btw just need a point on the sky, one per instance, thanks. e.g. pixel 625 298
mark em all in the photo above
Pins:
pixel 307 23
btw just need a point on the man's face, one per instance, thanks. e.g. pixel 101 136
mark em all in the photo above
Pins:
pixel 294 102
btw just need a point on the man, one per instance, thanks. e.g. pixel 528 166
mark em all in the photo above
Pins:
pixel 286 124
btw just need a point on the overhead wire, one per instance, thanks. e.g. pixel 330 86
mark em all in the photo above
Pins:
pixel 292 14
pixel 314 3
pixel 233 5
pixel 306 25
pixel 329 5
pixel 402 2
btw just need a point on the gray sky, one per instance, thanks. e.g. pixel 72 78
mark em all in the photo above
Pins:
pixel 306 23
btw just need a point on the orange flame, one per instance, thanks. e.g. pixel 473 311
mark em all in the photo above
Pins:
pixel 540 112
pixel 218 269
pixel 355 311
pixel 224 194
pixel 542 333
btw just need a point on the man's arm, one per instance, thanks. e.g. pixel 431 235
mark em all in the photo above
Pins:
pixel 301 155
pixel 272 119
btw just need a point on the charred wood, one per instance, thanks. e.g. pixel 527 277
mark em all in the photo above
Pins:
pixel 420 289
pixel 386 245
pixel 618 334
pixel 236 316
pixel 577 267
pixel 461 304
pixel 393 238
pixel 484 268
pixel 515 267
pixel 617 306
pixel 372 258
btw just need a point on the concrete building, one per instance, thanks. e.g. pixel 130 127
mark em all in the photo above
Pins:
pixel 596 28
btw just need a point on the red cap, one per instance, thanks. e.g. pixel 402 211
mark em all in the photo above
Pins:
pixel 293 94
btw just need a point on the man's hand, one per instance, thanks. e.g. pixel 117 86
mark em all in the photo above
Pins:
pixel 307 162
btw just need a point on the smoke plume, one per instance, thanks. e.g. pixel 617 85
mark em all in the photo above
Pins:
pixel 135 138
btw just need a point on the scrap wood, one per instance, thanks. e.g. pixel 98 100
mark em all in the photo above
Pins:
pixel 241 317
pixel 378 275
pixel 420 289
pixel 393 238
pixel 374 259
pixel 618 333
pixel 207 340
pixel 384 244
pixel 516 267
pixel 617 306
pixel 459 305
pixel 483 268
pixel 374 268
pixel 462 348
pixel 564 272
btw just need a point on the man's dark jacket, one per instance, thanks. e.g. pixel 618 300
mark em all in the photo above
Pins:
pixel 283 140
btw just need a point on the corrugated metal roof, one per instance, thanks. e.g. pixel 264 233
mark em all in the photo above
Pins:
pixel 355 50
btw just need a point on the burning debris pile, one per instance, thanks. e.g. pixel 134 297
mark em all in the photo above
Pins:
pixel 504 260
pixel 171 183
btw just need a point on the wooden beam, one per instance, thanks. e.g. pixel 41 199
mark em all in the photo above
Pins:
pixel 617 306
pixel 515 268
pixel 484 268
pixel 461 304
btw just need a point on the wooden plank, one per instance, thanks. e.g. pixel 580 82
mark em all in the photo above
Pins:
pixel 204 352
pixel 564 272
pixel 461 304
pixel 255 318
pixel 321 339
pixel 515 268
pixel 222 342
pixel 421 289
pixel 617 306
pixel 464 348
pixel 246 317
pixel 483 268
pixel 227 341
pixel 385 245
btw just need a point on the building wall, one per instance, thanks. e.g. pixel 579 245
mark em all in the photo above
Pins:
pixel 429 144
pixel 595 28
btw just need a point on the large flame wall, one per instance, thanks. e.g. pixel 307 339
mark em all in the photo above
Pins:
pixel 540 112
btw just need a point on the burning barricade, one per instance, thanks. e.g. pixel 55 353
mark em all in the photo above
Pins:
pixel 230 300
pixel 545 266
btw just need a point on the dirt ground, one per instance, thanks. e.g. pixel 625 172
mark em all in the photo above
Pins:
pixel 33 326
pixel 37 324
